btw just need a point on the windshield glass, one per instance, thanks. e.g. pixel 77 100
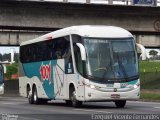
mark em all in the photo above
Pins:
pixel 111 58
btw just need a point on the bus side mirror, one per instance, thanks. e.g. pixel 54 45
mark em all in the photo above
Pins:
pixel 82 50
pixel 4 69
pixel 141 51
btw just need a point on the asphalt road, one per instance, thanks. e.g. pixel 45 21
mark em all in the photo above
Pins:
pixel 17 108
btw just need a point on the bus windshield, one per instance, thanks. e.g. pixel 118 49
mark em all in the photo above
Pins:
pixel 111 59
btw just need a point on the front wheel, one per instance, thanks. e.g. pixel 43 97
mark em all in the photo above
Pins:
pixel 120 103
pixel 75 102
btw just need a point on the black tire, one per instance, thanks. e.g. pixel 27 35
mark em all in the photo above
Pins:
pixel 68 102
pixel 35 96
pixel 28 90
pixel 75 102
pixel 120 103
pixel 30 98
pixel 43 101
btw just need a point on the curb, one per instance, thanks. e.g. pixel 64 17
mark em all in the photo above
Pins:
pixel 149 100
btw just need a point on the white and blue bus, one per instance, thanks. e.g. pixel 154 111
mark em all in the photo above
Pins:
pixel 79 64
pixel 1 79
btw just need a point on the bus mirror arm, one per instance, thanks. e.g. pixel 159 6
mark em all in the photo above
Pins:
pixel 142 51
pixel 82 50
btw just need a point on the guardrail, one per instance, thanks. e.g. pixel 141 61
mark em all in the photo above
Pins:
pixel 11 87
pixel 108 2
pixel 112 2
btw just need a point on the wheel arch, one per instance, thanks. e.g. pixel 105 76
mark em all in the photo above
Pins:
pixel 28 89
pixel 71 88
pixel 34 86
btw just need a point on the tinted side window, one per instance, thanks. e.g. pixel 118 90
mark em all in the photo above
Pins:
pixel 46 50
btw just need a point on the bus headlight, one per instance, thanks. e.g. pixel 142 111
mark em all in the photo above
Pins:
pixel 1 86
pixel 136 86
pixel 92 86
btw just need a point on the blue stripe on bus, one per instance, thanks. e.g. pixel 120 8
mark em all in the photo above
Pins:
pixel 35 69
pixel 123 85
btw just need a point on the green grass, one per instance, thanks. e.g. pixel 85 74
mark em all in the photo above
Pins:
pixel 149 66
pixel 150 74
pixel 150 96
pixel 150 79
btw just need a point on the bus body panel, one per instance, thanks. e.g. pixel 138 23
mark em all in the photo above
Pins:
pixel 40 74
pixel 95 95
pixel 24 81
pixel 2 89
pixel 104 92
pixel 77 81
pixel 49 77
pixel 85 30
pixel 60 80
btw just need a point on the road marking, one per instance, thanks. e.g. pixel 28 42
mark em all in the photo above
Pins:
pixel 92 111
pixel 10 103
pixel 27 118
pixel 143 102
pixel 157 107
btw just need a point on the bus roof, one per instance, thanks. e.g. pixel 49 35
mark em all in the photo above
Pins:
pixel 85 31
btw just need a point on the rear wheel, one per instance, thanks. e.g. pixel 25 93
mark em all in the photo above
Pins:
pixel 30 98
pixel 120 103
pixel 35 96
pixel 75 102
pixel 28 90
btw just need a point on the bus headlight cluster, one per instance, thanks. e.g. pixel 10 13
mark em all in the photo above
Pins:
pixel 136 86
pixel 1 87
pixel 92 86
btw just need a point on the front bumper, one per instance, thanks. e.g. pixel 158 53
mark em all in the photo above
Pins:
pixel 1 89
pixel 97 95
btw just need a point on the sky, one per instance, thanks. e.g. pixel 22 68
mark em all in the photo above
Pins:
pixel 4 50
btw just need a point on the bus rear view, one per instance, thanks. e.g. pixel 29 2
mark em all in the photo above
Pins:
pixel 95 63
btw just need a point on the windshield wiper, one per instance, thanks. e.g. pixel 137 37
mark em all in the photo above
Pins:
pixel 122 67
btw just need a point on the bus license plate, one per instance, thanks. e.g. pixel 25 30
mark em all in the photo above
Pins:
pixel 115 96
pixel 110 85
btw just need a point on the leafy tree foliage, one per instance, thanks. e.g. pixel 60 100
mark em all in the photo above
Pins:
pixel 11 69
pixel 153 52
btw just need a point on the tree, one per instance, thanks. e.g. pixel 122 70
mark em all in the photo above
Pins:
pixel 11 69
pixel 1 57
pixel 7 57
pixel 153 53
pixel 16 57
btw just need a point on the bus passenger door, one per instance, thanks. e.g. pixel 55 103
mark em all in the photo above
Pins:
pixel 60 90
pixel 62 52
